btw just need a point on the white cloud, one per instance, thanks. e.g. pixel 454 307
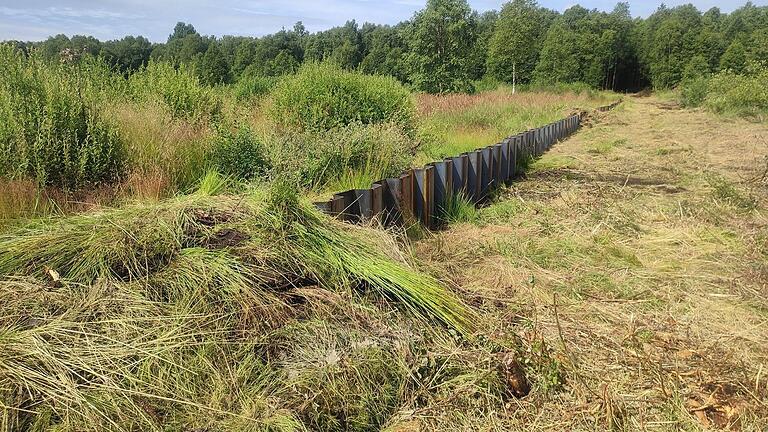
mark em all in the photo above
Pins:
pixel 67 12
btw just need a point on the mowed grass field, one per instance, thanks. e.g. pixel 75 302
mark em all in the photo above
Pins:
pixel 632 261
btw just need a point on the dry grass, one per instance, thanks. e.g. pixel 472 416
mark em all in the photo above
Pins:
pixel 428 103
pixel 455 123
pixel 21 200
pixel 632 263
pixel 165 154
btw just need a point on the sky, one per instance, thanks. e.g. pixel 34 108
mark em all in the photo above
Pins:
pixel 112 19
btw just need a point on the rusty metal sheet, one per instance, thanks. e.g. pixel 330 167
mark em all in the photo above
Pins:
pixel 345 206
pixel 364 200
pixel 377 200
pixel 423 194
pixel 406 196
pixel 390 201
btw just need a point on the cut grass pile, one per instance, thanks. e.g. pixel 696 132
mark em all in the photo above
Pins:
pixel 247 312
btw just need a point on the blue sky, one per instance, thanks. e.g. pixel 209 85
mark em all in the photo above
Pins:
pixel 110 19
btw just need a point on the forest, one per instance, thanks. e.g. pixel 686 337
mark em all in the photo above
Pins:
pixel 448 47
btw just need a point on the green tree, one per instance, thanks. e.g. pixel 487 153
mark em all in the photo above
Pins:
pixel 734 58
pixel 441 38
pixel 52 47
pixel 586 46
pixel 85 44
pixel 213 67
pixel 697 67
pixel 516 42
pixel 486 24
pixel 342 44
pixel 383 51
pixel 759 46
pixel 127 54
pixel 181 30
pixel 284 63
pixel 245 55
pixel 184 46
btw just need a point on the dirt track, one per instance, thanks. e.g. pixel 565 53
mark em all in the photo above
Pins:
pixel 633 262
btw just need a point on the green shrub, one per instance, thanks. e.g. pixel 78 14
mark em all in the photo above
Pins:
pixel 487 83
pixel 343 157
pixel 178 89
pixel 322 96
pixel 727 92
pixel 744 95
pixel 253 87
pixel 239 154
pixel 52 126
pixel 693 91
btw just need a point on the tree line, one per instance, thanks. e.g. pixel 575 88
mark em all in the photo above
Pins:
pixel 447 47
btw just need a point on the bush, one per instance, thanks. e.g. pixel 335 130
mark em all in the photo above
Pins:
pixel 727 92
pixel 323 96
pixel 178 89
pixel 744 95
pixel 693 91
pixel 487 83
pixel 348 156
pixel 253 87
pixel 563 88
pixel 239 154
pixel 52 127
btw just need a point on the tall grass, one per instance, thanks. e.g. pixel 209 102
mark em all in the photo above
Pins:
pixel 52 128
pixel 177 89
pixel 457 208
pixel 165 154
pixel 342 158
pixel 453 124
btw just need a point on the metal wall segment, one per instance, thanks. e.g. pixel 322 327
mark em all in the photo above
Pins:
pixel 390 201
pixel 423 194
pixel 497 159
pixel 460 168
pixel 418 193
pixel 474 176
pixel 486 178
pixel 443 180
pixel 504 173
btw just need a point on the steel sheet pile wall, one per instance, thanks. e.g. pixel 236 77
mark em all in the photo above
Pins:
pixel 419 193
